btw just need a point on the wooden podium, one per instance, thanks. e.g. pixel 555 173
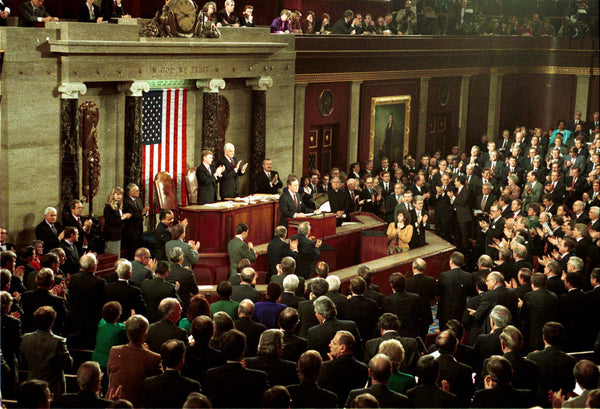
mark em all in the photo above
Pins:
pixel 321 225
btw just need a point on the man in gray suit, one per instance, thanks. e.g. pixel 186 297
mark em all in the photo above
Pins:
pixel 190 249
pixel 238 249
pixel 533 190
pixel 46 354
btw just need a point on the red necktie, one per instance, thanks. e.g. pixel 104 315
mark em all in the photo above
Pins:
pixel 295 200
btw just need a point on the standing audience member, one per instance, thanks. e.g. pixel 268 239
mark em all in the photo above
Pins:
pixel 157 289
pixel 178 273
pixel 114 219
pixel 428 393
pixel 110 332
pixel 268 359
pixel 251 329
pixel 308 394
pixel 199 356
pixel 169 310
pixel 89 378
pixel 238 249
pixel 11 344
pixel 128 296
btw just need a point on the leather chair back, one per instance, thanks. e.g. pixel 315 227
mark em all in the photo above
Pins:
pixel 191 183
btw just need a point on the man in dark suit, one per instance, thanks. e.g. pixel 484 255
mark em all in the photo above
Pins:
pixel 573 309
pixel 308 394
pixel 293 345
pixel 229 185
pixel 419 220
pixel 208 175
pixel 133 228
pixel 391 201
pixel 89 378
pixel 425 287
pixel 321 335
pixel 33 299
pixel 87 298
pixel 49 230
pixel 249 327
pixel 290 202
pixel 268 359
pixel 74 218
pixel 290 285
pixel 112 9
pixel 458 375
pixel 420 188
pixel 69 245
pixel 499 392
pixel 555 366
pixel 89 13
pixel 488 343
pixel 360 309
pixel 407 306
pixel 339 200
pixel 163 233
pixel 200 357
pixel 492 229
pixel 129 296
pixel 278 248
pixel 169 311
pixel 238 249
pixel 497 294
pixel 267 180
pixel 246 290
pixel 142 266
pixel 343 372
pixel 537 307
pixel 184 276
pixel 454 287
pixel 227 17
pixel 462 206
pixel 31 12
pixel 485 200
pixel 443 207
pixel 306 310
pixel 380 370
pixel 308 251
pixel 169 389
pixel 428 393
pixel 249 383
pixel 156 289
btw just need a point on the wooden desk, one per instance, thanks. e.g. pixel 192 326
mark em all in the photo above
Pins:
pixel 322 225
pixel 214 227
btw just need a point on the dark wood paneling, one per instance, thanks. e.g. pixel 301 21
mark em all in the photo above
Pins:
pixel 336 8
pixel 436 105
pixel 384 89
pixel 479 95
pixel 339 117
pixel 594 98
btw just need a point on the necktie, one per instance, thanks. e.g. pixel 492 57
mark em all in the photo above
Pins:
pixel 269 175
pixel 573 184
pixel 295 200
pixel 53 230
pixel 553 185
pixel 468 180
pixel 493 165
pixel 232 162
pixel 483 202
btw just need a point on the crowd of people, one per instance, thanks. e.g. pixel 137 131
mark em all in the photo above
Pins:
pixel 523 211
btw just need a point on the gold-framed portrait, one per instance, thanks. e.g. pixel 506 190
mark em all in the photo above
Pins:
pixel 390 127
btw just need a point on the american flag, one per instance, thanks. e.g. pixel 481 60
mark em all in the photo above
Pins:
pixel 164 136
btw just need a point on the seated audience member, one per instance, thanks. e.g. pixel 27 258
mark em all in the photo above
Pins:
pixel 170 388
pixel 45 354
pixel 110 332
pixel 210 11
pixel 458 375
pixel 45 294
pixel 112 9
pixel 198 306
pixel 169 310
pixel 266 312
pixel 225 303
pixel 587 377
pixel 197 400
pixel 308 394
pixel 130 364
pixel 380 370
pixel 89 377
pixel 293 345
pixel 248 326
pixel 199 356
pixel 276 397
pixel 345 25
pixel 342 372
pixel 246 290
pixel 89 13
pixel 142 267
pixel 268 359
pixel 157 289
pixel 11 343
pixel 128 296
pixel 322 26
pixel 34 394
pixel 498 392
pixel 428 393
pixel 247 19
pixel 241 265
pixel 399 382
pixel 226 17
pixel 281 24
pixel 249 384
pixel 222 323
pixel 308 24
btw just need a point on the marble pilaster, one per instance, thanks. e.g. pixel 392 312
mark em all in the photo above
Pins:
pixel 210 112
pixel 258 124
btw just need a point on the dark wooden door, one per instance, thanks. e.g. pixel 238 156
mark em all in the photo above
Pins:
pixel 319 148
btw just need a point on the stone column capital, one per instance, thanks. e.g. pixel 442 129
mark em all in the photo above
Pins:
pixel 212 85
pixel 71 90
pixel 134 88
pixel 260 83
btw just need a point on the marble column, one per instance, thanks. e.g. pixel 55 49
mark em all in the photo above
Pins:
pixel 493 127
pixel 353 122
pixel 69 161
pixel 133 149
pixel 463 114
pixel 422 121
pixel 582 92
pixel 258 125
pixel 210 112
pixel 298 145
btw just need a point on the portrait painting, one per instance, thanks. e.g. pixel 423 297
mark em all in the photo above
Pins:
pixel 390 124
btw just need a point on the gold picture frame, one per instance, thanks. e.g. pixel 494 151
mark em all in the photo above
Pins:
pixel 313 138
pixel 391 141
pixel 327 137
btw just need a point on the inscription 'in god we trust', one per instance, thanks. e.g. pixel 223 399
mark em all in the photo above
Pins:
pixel 201 69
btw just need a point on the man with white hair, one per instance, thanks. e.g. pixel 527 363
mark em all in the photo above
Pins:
pixel 334 291
pixel 169 311
pixel 129 296
pixel 229 183
pixel 49 230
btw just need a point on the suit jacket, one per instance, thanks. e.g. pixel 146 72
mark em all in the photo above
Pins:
pixel 526 374
pixel 199 359
pixel 187 284
pixel 288 208
pixel 308 319
pixel 43 231
pixel 238 250
pixel 409 309
pixel 500 295
pixel 139 273
pixel 290 299
pixel 11 344
pixel 277 249
pixel 71 265
pixel 308 254
pixel 423 396
pixel 28 16
pixel 363 312
pixel 454 287
pixel 487 345
pixel 243 291
pixel 249 386
pixel 503 396
pixel 207 184
pixel 462 205
pixel 556 368
pixel 82 399
pixel 84 14
pixel 488 203
pixel 311 395
pixel 229 183
pixel 226 20
pixel 47 357
pixel 128 366
pixel 475 327
pixel 113 224
pixel 162 331
pixel 459 376
pixel 320 335
pixel 534 196
pixel 386 397
pixel 129 296
pixel 33 299
pixel 87 299
pixel 168 390
pixel 109 9
pixel 263 183
pixel 556 284
pixel 425 287
pixel 134 226
pixel 390 207
pixel 190 256
pixel 69 220
pixel 538 308
pixel 339 200
pixel 293 346
pixel 337 298
pixel 343 374
pixel 573 308
pixel 161 236
pixel 279 371
pixel 154 291
pixel 411 350
pixel 253 330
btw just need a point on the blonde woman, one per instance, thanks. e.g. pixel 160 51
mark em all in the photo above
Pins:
pixel 113 220
pixel 399 234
